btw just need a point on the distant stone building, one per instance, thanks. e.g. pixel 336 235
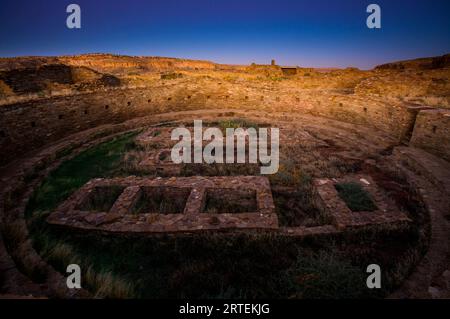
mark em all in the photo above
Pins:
pixel 289 70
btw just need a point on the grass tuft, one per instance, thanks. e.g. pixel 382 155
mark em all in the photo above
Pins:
pixel 356 198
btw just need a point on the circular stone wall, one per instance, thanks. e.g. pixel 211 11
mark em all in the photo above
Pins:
pixel 312 148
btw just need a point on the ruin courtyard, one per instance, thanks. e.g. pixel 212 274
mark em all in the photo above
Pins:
pixel 87 176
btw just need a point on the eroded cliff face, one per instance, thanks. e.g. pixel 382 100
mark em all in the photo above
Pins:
pixel 419 64
pixel 47 78
pixel 120 64
pixel 54 75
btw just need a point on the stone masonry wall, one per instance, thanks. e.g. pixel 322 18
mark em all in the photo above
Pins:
pixel 30 125
pixel 432 132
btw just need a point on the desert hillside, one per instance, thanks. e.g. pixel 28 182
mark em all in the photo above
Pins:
pixel 422 81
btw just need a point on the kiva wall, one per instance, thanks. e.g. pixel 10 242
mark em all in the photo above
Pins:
pixel 33 124
pixel 432 132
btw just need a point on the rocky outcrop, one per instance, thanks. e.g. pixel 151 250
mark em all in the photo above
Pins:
pixel 51 77
pixel 418 64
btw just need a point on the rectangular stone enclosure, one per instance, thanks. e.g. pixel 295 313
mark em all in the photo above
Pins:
pixel 176 204
pixel 383 212
pixel 158 144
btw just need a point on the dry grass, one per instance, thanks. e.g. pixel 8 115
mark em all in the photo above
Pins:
pixel 131 160
pixel 108 285
pixel 103 283
pixel 62 252
pixel 436 101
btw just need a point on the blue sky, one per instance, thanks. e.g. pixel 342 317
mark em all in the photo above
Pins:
pixel 320 33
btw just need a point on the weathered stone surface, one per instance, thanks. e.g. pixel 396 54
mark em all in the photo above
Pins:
pixel 193 217
pixel 432 132
pixel 328 199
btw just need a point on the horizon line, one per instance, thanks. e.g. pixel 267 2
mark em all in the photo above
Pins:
pixel 211 61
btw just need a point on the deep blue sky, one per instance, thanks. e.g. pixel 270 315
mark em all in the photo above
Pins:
pixel 321 33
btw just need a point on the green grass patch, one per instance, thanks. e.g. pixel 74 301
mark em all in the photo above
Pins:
pixel 208 266
pixel 237 123
pixel 356 198
pixel 325 275
pixel 99 161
